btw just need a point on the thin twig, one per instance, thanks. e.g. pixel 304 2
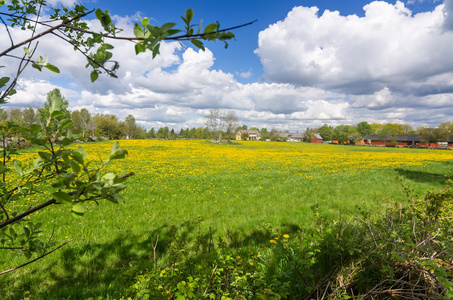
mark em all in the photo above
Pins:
pixel 7 30
pixel 38 258
pixel 43 33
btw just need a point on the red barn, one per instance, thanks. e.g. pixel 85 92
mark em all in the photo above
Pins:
pixel 317 138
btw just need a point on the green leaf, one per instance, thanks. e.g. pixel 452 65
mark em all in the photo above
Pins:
pixel 156 50
pixel 198 44
pixel 58 185
pixel 189 15
pixel 3 81
pixel 104 18
pixel 52 68
pixel 66 142
pixel 56 113
pixel 62 197
pixel 36 66
pixel 12 92
pixel 94 75
pixel 155 31
pixel 64 123
pixel 167 26
pixel 35 129
pixel 3 2
pixel 27 232
pixel 117 152
pixel 138 48
pixel 145 21
pixel 211 28
pixel 45 155
pixel 81 151
pixel 107 46
pixel 138 31
pixel 74 166
pixel 78 208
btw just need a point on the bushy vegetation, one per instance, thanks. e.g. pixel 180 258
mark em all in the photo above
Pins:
pixel 405 252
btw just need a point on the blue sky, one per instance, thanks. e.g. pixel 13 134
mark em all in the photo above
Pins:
pixel 302 64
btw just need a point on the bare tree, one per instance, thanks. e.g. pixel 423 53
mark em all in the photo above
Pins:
pixel 219 121
pixel 231 122
pixel 212 121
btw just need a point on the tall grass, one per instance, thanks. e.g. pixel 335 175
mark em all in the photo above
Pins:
pixel 234 193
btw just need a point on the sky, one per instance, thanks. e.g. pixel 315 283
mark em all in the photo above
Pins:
pixel 301 64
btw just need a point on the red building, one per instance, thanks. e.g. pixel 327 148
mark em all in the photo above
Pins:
pixel 317 138
pixel 403 140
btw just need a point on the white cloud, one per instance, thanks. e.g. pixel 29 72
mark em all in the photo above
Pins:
pixel 387 47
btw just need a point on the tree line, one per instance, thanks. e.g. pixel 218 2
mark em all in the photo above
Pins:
pixel 219 124
pixel 385 132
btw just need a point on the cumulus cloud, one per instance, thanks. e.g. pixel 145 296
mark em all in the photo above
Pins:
pixel 388 47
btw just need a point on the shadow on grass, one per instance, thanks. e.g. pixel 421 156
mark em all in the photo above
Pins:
pixel 424 177
pixel 106 270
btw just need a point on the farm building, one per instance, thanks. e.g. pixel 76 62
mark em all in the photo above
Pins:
pixel 317 138
pixel 402 140
pixel 292 137
pixel 248 135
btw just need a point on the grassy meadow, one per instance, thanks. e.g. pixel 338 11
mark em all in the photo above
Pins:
pixel 241 194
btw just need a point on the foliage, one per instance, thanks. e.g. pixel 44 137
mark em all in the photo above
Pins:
pixel 65 174
pixel 404 252
pixel 434 135
pixel 203 270
pixel 345 133
pixel 326 132
pixel 364 128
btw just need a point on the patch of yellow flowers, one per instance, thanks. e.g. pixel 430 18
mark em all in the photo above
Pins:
pixel 170 159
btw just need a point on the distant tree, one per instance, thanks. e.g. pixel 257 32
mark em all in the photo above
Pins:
pixel 84 121
pixel 3 115
pixel 326 132
pixel 109 127
pixel 29 116
pixel 275 135
pixel 308 135
pixel 447 125
pixel 387 133
pixel 15 115
pixel 131 127
pixel 343 133
pixel 151 134
pixel 231 122
pixel 245 136
pixel 376 127
pixel 265 134
pixel 219 121
pixel 364 128
pixel 434 135
pixel 407 129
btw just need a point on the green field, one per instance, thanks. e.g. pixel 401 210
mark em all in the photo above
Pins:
pixel 240 194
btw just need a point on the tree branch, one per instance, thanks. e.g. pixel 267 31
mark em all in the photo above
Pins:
pixel 7 30
pixel 44 33
pixel 38 258
pixel 43 205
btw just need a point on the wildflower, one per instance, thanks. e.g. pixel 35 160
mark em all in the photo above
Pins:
pixel 273 241
pixel 286 236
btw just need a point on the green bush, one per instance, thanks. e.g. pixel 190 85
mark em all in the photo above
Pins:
pixel 403 253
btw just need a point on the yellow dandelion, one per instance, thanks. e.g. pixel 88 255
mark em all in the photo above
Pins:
pixel 286 236
pixel 273 241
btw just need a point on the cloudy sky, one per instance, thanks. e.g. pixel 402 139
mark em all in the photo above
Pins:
pixel 302 64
